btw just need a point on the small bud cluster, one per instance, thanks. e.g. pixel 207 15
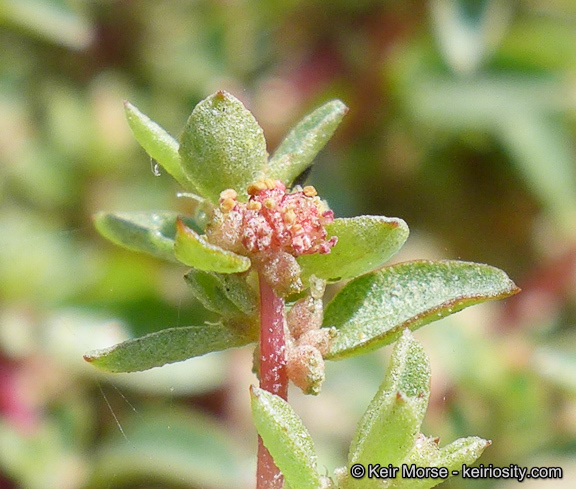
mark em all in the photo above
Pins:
pixel 272 220
pixel 308 342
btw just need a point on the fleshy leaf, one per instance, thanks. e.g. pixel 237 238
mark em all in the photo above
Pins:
pixel 372 310
pixel 222 147
pixel 286 438
pixel 149 232
pixel 166 346
pixel 426 453
pixel 160 145
pixel 392 422
pixel 227 294
pixel 460 452
pixel 364 243
pixel 305 141
pixel 195 251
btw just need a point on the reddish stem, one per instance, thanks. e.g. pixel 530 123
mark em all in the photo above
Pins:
pixel 273 376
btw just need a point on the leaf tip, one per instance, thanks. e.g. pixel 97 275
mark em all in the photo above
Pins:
pixel 181 225
pixel 221 95
pixel 129 109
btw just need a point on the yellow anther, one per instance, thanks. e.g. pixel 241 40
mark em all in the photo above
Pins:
pixel 269 203
pixel 256 187
pixel 229 193
pixel 227 204
pixel 290 217
pixel 270 183
pixel 309 191
pixel 254 205
pixel 297 229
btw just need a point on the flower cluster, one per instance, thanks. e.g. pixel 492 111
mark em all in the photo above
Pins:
pixel 272 221
pixel 307 341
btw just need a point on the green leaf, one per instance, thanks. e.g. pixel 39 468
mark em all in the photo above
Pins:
pixel 149 232
pixel 195 251
pixel 158 144
pixel 286 438
pixel 364 243
pixel 227 294
pixel 426 453
pixel 372 310
pixel 391 423
pixel 460 452
pixel 305 141
pixel 166 346
pixel 222 147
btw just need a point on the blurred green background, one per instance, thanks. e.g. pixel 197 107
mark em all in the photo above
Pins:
pixel 462 121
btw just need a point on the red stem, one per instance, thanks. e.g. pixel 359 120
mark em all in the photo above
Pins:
pixel 273 376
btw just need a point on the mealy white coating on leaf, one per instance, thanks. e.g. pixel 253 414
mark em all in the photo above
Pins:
pixel 300 146
pixel 148 232
pixel 226 294
pixel 160 145
pixel 195 251
pixel 372 310
pixel 222 146
pixel 286 438
pixel 364 243
pixel 166 346
pixel 427 453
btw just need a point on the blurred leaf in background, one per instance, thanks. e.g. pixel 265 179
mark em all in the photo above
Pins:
pixel 461 123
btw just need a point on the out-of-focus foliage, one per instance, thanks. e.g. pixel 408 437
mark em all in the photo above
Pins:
pixel 461 123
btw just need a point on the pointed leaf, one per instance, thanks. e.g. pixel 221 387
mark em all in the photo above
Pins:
pixel 166 346
pixel 158 144
pixel 195 251
pixel 392 422
pixel 460 452
pixel 305 141
pixel 286 438
pixel 222 146
pixel 426 453
pixel 372 310
pixel 364 243
pixel 227 294
pixel 149 232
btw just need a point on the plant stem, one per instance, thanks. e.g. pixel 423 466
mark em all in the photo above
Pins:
pixel 273 376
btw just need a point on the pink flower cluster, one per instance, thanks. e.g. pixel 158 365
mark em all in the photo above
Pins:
pixel 272 220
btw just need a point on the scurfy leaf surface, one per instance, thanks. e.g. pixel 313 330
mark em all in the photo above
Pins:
pixel 195 251
pixel 364 243
pixel 371 311
pixel 427 453
pixel 158 144
pixel 286 438
pixel 166 346
pixel 222 147
pixel 148 232
pixel 227 294
pixel 305 141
